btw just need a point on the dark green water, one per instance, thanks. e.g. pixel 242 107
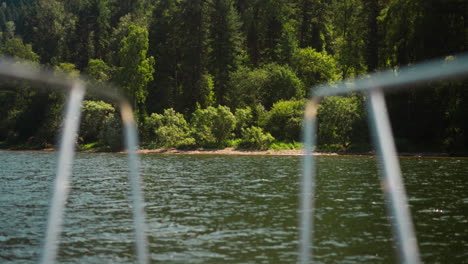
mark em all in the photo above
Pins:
pixel 230 209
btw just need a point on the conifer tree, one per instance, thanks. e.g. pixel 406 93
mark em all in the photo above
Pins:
pixel 225 44
pixel 349 34
pixel 165 91
pixel 50 26
pixel 314 24
pixel 193 50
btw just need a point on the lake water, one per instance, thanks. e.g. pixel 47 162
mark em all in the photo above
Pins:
pixel 230 209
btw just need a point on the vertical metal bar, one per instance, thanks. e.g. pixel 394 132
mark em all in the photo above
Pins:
pixel 392 182
pixel 62 179
pixel 131 142
pixel 307 185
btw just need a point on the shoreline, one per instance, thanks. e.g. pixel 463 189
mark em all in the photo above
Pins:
pixel 289 152
pixel 227 151
pixel 237 152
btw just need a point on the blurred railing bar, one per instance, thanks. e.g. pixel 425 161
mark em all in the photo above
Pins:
pixel 64 169
pixel 23 70
pixel 397 79
pixel 391 179
pixel 392 183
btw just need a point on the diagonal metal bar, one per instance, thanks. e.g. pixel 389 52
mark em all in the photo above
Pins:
pixel 307 185
pixel 138 203
pixel 392 183
pixel 62 178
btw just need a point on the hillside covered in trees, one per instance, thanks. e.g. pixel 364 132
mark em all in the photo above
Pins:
pixel 217 73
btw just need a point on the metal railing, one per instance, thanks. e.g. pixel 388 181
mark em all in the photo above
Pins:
pixel 391 179
pixel 77 89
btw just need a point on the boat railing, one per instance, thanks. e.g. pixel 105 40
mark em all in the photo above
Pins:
pixel 373 87
pixel 77 88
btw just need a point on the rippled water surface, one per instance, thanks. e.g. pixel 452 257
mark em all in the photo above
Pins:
pixel 229 209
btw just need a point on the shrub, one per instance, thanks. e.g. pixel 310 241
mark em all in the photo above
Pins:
pixel 314 67
pixel 336 118
pixel 15 47
pixel 245 87
pixel 224 124
pixel 201 124
pixel 66 69
pixel 244 119
pixel 94 115
pixel 265 85
pixel 99 70
pixel 286 146
pixel 212 126
pixel 254 138
pixel 111 133
pixel 281 84
pixel 187 143
pixel 167 130
pixel 284 120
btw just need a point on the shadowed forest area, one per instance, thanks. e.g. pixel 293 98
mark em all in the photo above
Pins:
pixel 233 73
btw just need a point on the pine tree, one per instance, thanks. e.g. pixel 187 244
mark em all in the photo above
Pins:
pixel 349 34
pixel 165 91
pixel 193 49
pixel 372 53
pixel 314 24
pixel 50 27
pixel 225 44
pixel 103 28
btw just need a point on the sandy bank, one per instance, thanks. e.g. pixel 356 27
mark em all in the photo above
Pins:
pixel 230 151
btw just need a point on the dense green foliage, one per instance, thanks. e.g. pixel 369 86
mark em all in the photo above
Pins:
pixel 95 114
pixel 255 138
pixel 284 121
pixel 111 134
pixel 207 73
pixel 213 126
pixel 167 130
pixel 337 118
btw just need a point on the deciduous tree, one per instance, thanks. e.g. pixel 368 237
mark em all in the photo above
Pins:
pixel 136 68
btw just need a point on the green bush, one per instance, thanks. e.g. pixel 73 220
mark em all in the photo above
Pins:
pixel 244 119
pixel 281 84
pixel 314 67
pixel 266 85
pixel 233 143
pixel 66 69
pixel 94 115
pixel 99 70
pixel 255 138
pixel 286 146
pixel 201 124
pixel 29 117
pixel 167 130
pixel 336 118
pixel 284 120
pixel 15 47
pixel 187 143
pixel 212 126
pixel 245 87
pixel 111 133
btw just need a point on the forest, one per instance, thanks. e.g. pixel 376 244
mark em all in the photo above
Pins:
pixel 233 73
